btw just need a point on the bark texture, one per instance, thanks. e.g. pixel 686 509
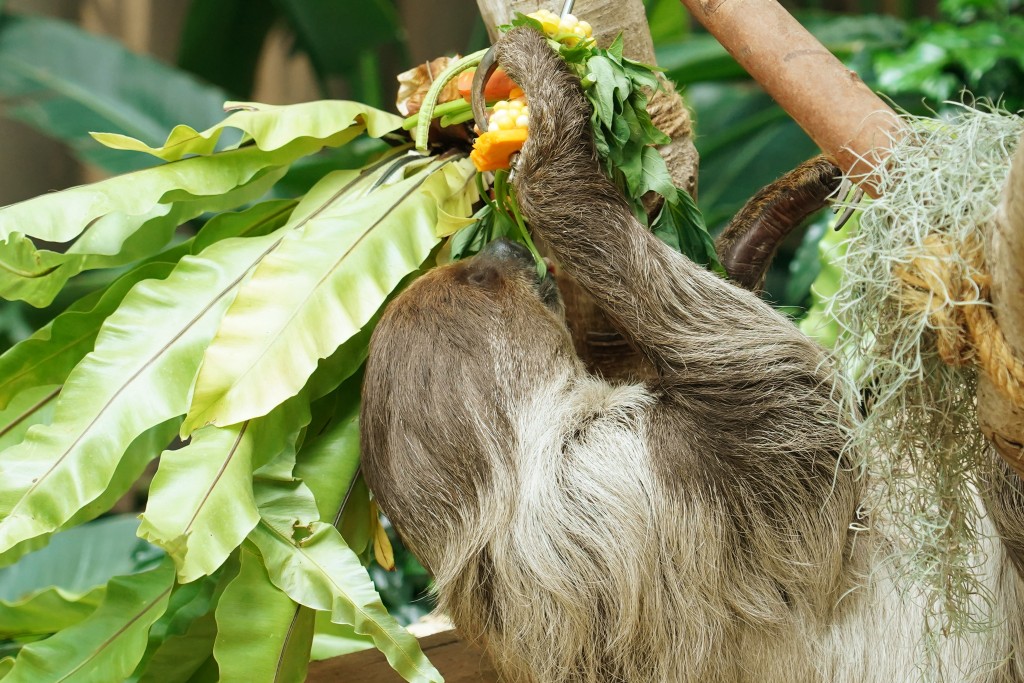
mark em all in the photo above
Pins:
pixel 597 341
pixel 1001 420
pixel 830 102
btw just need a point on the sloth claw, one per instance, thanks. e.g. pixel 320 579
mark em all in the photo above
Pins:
pixel 488 63
pixel 854 204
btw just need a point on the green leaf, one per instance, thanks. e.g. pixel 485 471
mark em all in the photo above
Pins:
pixel 46 611
pixel 335 640
pixel 133 463
pixel 37 276
pixel 317 289
pixel 30 407
pixel 182 655
pixel 329 462
pixel 201 504
pixel 111 640
pixel 49 355
pixel 181 640
pixel 611 87
pixel 918 69
pixel 64 82
pixel 79 560
pixel 263 636
pixel 655 177
pixel 119 217
pixel 818 324
pixel 310 562
pixel 806 264
pixel 329 465
pixel 270 127
pixel 680 225
pixel 259 219
pixel 139 375
pixel 62 216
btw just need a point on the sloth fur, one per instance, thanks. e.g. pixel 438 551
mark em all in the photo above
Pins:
pixel 701 527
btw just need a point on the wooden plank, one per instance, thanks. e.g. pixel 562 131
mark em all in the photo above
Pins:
pixel 457 661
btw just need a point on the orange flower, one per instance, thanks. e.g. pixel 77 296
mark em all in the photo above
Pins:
pixel 493 149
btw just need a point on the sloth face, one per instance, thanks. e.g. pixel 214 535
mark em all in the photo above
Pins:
pixel 503 258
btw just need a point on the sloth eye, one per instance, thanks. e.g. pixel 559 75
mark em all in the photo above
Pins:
pixel 484 277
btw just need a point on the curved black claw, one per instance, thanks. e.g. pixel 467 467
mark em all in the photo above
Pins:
pixel 858 195
pixel 477 98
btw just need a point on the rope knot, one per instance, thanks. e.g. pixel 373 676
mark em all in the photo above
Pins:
pixel 953 291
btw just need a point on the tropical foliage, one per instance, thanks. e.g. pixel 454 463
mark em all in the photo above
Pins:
pixel 209 311
pixel 237 341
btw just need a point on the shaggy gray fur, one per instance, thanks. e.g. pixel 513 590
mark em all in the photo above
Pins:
pixel 699 528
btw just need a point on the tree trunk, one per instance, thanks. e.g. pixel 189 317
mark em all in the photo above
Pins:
pixel 1001 420
pixel 598 343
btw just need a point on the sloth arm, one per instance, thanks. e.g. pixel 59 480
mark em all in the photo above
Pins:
pixel 746 427
pixel 699 330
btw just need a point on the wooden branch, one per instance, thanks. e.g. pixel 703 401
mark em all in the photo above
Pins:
pixel 1002 421
pixel 457 661
pixel 830 102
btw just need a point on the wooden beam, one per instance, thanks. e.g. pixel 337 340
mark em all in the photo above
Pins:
pixel 457 661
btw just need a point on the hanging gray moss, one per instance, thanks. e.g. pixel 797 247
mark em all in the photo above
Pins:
pixel 913 271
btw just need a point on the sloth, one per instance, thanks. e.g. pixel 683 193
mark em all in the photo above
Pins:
pixel 701 526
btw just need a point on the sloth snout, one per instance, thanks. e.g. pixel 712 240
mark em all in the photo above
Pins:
pixel 504 249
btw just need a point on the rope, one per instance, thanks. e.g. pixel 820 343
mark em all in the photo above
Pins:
pixel 954 292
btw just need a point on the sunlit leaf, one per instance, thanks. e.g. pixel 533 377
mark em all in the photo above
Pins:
pixel 335 640
pixel 133 463
pixel 62 216
pixel 270 127
pixel 32 406
pixel 310 562
pixel 139 375
pixel 49 355
pixel 263 636
pixel 818 324
pixel 201 503
pixel 38 275
pixel 318 288
pixel 111 640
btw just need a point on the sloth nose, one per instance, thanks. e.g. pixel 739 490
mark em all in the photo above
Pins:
pixel 505 250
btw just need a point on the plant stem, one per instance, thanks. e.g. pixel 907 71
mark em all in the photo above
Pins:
pixel 430 100
pixel 442 109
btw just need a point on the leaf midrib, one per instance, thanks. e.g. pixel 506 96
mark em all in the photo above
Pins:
pixel 330 271
pixel 96 652
pixel 145 366
pixel 342 591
